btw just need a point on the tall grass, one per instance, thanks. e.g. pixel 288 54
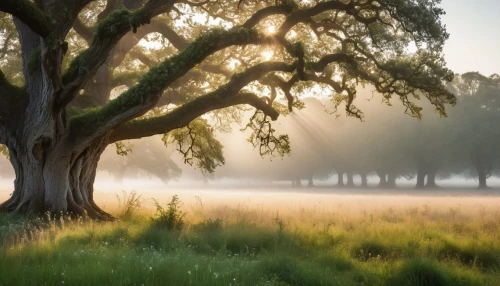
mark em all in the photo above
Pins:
pixel 128 204
pixel 247 245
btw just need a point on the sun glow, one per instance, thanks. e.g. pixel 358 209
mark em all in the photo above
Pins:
pixel 267 55
pixel 337 77
pixel 271 29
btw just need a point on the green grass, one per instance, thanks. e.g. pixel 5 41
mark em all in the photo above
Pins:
pixel 244 246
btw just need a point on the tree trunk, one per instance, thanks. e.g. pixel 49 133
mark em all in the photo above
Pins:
pixel 391 181
pixel 482 176
pixel 340 179
pixel 54 170
pixel 383 180
pixel 420 179
pixel 55 181
pixel 364 180
pixel 431 181
pixel 298 183
pixel 310 182
pixel 350 180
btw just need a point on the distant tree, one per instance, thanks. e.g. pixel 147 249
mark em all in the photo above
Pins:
pixel 88 82
pixel 474 128
pixel 146 156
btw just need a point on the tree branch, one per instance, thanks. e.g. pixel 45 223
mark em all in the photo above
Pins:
pixel 181 117
pixel 84 31
pixel 29 14
pixel 140 98
pixel 13 101
pixel 109 32
pixel 130 40
pixel 227 95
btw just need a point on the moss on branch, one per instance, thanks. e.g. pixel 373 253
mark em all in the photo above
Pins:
pixel 150 87
pixel 29 14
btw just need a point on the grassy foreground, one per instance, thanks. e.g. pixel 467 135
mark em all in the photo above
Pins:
pixel 240 245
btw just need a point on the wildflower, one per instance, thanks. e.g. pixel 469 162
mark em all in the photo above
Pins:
pixel 150 268
pixel 189 272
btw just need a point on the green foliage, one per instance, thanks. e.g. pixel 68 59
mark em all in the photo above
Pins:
pixel 122 149
pixel 287 271
pixel 421 272
pixel 471 255
pixel 367 250
pixel 170 218
pixel 198 145
pixel 263 138
pixel 4 150
pixel 208 225
pixel 109 27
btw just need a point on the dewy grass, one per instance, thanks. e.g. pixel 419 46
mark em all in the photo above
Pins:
pixel 244 245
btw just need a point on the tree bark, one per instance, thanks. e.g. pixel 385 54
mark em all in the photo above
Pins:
pixel 57 182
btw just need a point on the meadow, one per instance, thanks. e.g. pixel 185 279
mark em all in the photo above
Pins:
pixel 266 238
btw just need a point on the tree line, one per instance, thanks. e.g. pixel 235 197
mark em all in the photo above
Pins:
pixel 388 143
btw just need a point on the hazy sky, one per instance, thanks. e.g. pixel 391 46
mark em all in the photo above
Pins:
pixel 474 27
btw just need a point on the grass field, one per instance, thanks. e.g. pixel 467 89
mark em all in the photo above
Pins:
pixel 339 240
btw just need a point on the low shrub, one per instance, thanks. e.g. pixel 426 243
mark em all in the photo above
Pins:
pixel 171 218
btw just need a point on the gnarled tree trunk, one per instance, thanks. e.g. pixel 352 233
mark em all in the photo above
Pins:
pixel 59 180
pixel 54 168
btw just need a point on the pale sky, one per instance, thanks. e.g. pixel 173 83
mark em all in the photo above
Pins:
pixel 474 27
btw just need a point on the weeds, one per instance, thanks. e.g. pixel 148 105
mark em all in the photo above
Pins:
pixel 170 218
pixel 209 225
pixel 128 203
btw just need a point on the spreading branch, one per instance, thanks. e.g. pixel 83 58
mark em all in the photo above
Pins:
pixel 107 35
pixel 227 95
pixel 143 96
pixel 29 14
pixel 354 62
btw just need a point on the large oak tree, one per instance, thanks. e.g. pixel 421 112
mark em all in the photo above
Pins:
pixel 87 81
